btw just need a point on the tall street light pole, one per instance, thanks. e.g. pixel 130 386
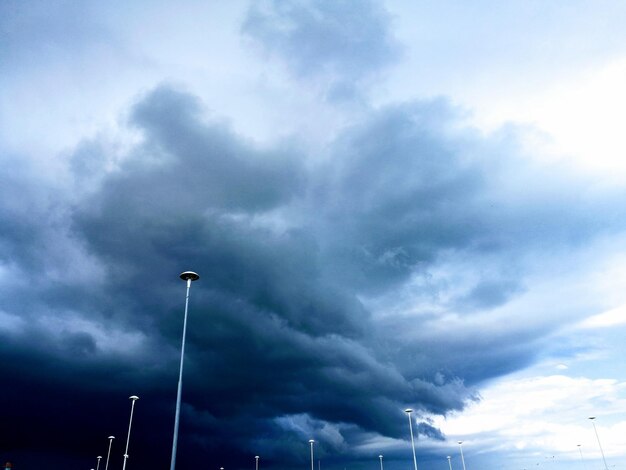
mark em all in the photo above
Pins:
pixel 99 457
pixel 256 462
pixel 381 461
pixel 449 461
pixel 581 454
pixel 408 411
pixel 311 441
pixel 106 467
pixel 134 398
pixel 188 276
pixel 462 458
pixel 592 418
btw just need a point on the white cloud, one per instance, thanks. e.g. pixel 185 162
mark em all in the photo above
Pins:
pixel 613 317
pixel 543 415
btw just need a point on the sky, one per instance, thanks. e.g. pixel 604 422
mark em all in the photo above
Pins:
pixel 390 204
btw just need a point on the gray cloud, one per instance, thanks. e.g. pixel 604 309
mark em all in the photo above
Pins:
pixel 292 325
pixel 344 42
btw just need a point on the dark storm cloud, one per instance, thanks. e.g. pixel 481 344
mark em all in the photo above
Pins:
pixel 343 41
pixel 283 344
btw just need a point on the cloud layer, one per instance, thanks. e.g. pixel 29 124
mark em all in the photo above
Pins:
pixel 400 264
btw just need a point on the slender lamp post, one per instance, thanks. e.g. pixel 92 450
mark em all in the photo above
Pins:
pixel 311 441
pixel 581 454
pixel 408 411
pixel 134 398
pixel 256 463
pixel 106 467
pixel 449 462
pixel 462 458
pixel 99 457
pixel 381 461
pixel 592 418
pixel 188 276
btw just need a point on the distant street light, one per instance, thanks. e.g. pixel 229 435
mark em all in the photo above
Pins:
pixel 311 441
pixel 99 457
pixel 186 276
pixel 256 465
pixel 592 418
pixel 449 462
pixel 134 398
pixel 581 455
pixel 381 461
pixel 462 458
pixel 110 438
pixel 408 411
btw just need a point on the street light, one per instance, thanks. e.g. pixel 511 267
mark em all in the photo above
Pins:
pixel 462 458
pixel 99 457
pixel 311 441
pixel 134 398
pixel 381 461
pixel 449 462
pixel 408 411
pixel 188 276
pixel 581 454
pixel 256 466
pixel 110 438
pixel 592 418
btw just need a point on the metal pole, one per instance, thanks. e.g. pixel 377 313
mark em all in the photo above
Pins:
pixel 381 461
pixel 106 467
pixel 311 442
pixel 408 411
pixel 598 438
pixel 449 462
pixel 98 464
pixel 462 458
pixel 256 466
pixel 186 276
pixel 581 455
pixel 134 398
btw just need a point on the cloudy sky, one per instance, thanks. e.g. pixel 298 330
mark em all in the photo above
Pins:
pixel 390 204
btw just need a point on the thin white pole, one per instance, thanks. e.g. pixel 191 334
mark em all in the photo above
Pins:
pixel 408 411
pixel 449 462
pixel 381 461
pixel 256 465
pixel 311 442
pixel 134 398
pixel 462 458
pixel 187 276
pixel 592 418
pixel 106 467
pixel 98 464
pixel 581 455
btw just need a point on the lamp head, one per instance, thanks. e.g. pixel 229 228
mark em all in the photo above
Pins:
pixel 448 457
pixel 380 456
pixel 111 437
pixel 189 275
pixel 311 441
pixel 460 442
pixel 133 397
pixel 99 457
pixel 409 410
pixel 592 417
pixel 256 457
